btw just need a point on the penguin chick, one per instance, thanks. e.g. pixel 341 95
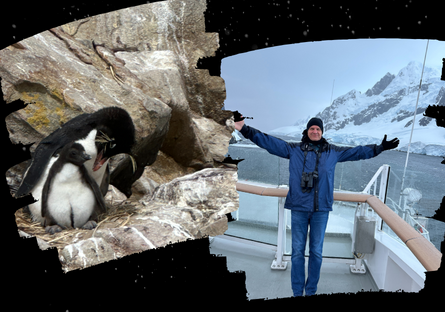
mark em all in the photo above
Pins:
pixel 70 197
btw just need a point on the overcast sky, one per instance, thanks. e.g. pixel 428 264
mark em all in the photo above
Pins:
pixel 279 85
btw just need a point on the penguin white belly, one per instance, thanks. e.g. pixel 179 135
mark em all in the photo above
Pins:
pixel 70 201
pixel 36 208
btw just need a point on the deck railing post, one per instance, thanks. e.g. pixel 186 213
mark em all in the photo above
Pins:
pixel 278 263
pixel 384 178
pixel 384 182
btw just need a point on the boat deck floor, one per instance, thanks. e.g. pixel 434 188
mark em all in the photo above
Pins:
pixel 262 282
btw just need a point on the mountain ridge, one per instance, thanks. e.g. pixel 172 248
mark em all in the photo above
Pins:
pixel 386 108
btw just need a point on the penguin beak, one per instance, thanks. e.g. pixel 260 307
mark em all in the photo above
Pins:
pixel 86 156
pixel 100 160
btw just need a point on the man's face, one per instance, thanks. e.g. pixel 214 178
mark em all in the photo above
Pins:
pixel 314 133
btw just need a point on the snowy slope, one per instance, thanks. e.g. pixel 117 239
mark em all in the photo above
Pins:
pixel 387 108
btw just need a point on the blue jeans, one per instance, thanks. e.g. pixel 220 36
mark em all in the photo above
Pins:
pixel 317 222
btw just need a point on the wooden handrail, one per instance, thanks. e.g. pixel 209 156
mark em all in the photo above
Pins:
pixel 282 192
pixel 427 254
pixel 422 248
pixel 261 190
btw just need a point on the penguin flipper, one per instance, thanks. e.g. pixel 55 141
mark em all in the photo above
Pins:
pixel 47 219
pixel 105 181
pixel 36 168
pixel 101 206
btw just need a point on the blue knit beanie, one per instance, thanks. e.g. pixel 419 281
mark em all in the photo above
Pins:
pixel 315 121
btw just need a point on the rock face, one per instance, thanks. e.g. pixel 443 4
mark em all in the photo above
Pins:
pixel 142 59
pixel 380 85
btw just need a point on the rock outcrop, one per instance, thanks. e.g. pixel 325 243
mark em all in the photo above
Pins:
pixel 142 59
pixel 188 207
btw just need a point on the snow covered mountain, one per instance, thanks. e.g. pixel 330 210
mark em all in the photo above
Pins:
pixel 387 108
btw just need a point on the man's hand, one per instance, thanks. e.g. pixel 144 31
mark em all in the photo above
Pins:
pixel 239 120
pixel 239 124
pixel 387 145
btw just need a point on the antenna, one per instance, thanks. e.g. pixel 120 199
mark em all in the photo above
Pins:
pixel 412 128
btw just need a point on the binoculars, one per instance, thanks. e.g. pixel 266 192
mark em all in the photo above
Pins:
pixel 307 180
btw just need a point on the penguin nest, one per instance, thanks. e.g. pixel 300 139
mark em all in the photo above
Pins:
pixel 118 215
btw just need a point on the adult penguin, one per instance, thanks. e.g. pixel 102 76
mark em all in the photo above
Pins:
pixel 104 133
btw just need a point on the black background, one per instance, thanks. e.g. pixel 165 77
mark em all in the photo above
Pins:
pixel 186 272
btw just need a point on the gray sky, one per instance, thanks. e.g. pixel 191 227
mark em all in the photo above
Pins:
pixel 279 85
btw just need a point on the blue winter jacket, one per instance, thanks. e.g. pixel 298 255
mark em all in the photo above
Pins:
pixel 329 155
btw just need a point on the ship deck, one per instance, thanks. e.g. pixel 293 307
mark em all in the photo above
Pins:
pixel 262 282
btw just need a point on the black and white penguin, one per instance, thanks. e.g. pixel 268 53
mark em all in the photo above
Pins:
pixel 70 196
pixel 103 134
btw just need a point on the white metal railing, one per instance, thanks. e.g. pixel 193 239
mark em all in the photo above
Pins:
pixel 383 173
pixel 410 219
pixel 377 189
pixel 363 210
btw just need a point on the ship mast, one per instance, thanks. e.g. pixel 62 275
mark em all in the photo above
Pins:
pixel 412 128
pixel 332 92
